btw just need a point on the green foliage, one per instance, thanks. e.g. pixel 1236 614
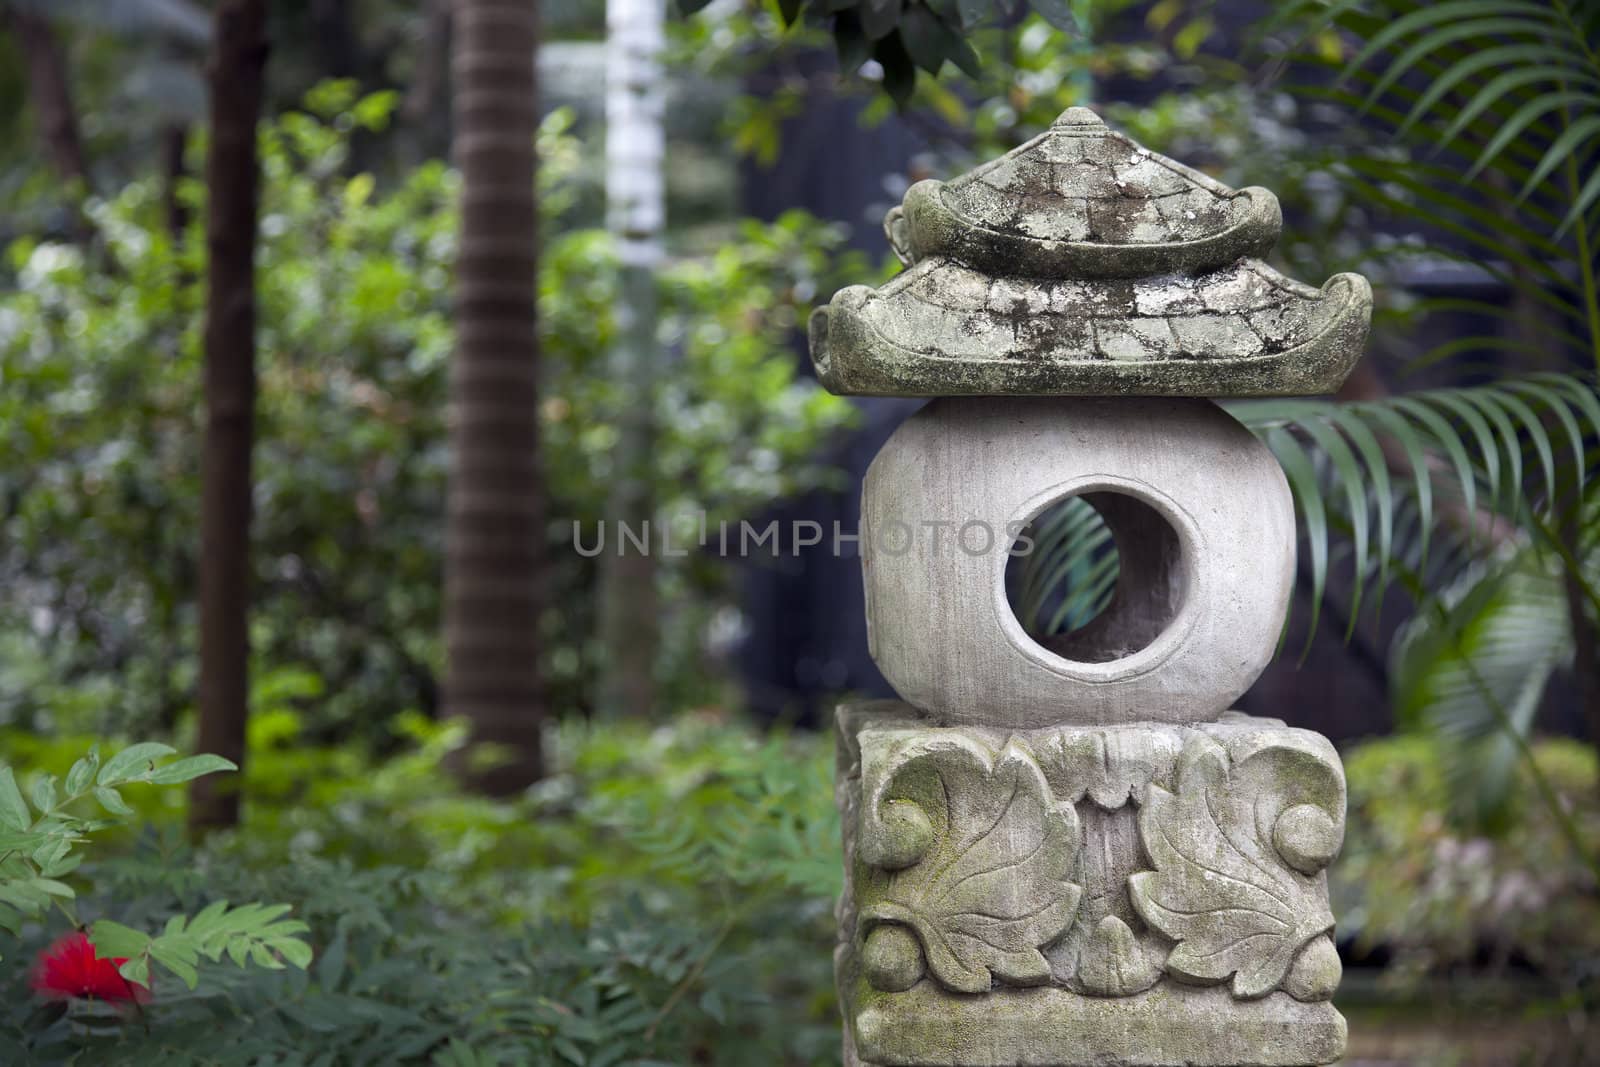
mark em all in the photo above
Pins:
pixel 1505 447
pixel 904 36
pixel 1475 670
pixel 254 932
pixel 1392 478
pixel 1510 106
pixel 36 845
pixel 99 418
pixel 1411 882
pixel 1541 78
pixel 38 852
pixel 665 897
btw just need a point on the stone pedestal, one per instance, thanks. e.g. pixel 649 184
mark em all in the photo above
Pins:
pixel 1062 849
pixel 1145 893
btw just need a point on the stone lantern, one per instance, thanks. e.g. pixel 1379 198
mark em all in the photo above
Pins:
pixel 1068 850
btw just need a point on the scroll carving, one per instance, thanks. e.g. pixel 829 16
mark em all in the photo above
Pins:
pixel 968 866
pixel 972 856
pixel 1238 859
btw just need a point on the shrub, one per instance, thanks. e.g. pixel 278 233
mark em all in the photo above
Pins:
pixel 1441 899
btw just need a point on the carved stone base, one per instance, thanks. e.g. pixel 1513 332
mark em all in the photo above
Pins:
pixel 1142 894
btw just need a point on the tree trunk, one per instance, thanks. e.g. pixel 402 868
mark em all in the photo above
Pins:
pixel 495 535
pixel 50 93
pixel 635 212
pixel 238 61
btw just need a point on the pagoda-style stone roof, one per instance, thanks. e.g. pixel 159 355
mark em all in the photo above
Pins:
pixel 1081 200
pixel 1081 263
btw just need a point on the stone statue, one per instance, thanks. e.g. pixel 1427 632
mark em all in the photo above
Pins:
pixel 1072 852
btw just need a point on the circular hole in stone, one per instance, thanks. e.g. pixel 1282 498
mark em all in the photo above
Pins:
pixel 1104 576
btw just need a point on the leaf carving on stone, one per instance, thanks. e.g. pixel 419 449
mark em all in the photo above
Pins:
pixel 1219 888
pixel 990 890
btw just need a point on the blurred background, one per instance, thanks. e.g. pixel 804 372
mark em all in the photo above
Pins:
pixel 541 805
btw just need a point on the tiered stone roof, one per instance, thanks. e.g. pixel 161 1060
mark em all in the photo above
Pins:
pixel 1081 263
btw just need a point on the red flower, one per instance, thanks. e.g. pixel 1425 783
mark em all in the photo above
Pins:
pixel 69 968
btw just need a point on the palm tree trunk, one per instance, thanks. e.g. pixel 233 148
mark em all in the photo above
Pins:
pixel 238 62
pixel 495 536
pixel 635 208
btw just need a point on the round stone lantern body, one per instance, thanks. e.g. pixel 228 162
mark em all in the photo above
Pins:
pixel 1203 523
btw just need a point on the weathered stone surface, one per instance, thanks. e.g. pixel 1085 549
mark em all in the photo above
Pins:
pixel 1083 201
pixel 944 329
pixel 1010 904
pixel 1083 264
pixel 1204 527
pixel 1168 1026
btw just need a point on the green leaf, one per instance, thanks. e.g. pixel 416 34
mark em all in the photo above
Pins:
pixel 1474 667
pixel 1479 60
pixel 1350 475
pixel 852 45
pixel 899 73
pixel 51 853
pixel 1556 404
pixel 112 940
pixel 132 762
pixel 189 768
pixel 1187 41
pixel 919 30
pixel 1371 451
pixel 1397 30
pixel 1585 128
pixel 24 896
pixel 112 801
pixel 208 920
pixel 1523 118
pixel 1302 475
pixel 1536 435
pixel 789 11
pixel 1586 197
pixel 295 952
pixel 14 812
pixel 175 961
pixel 1465 410
pixel 1057 13
pixel 137 971
pixel 1446 437
pixel 973 12
pixel 930 42
pixel 44 793
pixel 262 956
pixel 81 776
pixel 879 18
pixel 1483 29
pixel 1488 403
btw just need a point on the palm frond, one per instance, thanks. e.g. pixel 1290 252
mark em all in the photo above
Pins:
pixel 1069 576
pixel 1474 670
pixel 1386 479
pixel 1348 463
pixel 1531 67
